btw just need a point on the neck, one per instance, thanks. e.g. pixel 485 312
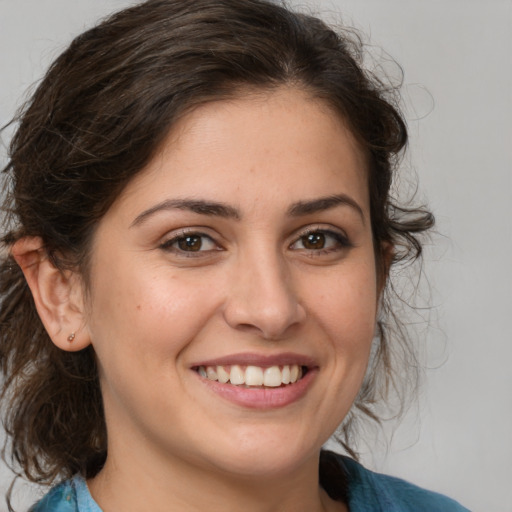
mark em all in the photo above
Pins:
pixel 143 481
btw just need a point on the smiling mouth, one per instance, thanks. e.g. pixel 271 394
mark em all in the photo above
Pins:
pixel 251 376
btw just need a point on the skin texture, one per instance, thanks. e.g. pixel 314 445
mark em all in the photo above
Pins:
pixel 258 285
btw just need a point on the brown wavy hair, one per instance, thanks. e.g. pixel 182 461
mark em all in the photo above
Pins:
pixel 97 118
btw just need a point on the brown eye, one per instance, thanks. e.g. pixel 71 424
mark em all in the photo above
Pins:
pixel 191 243
pixel 313 241
pixel 320 241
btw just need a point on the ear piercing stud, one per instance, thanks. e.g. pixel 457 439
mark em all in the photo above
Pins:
pixel 71 337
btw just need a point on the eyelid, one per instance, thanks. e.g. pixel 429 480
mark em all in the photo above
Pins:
pixel 175 236
pixel 338 234
pixel 322 228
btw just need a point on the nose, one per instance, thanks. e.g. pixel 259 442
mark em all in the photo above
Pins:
pixel 262 297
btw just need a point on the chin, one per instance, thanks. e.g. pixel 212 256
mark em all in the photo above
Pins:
pixel 272 456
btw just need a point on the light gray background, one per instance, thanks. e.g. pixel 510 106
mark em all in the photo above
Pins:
pixel 458 83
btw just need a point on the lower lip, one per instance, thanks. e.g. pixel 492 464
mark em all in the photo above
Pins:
pixel 262 398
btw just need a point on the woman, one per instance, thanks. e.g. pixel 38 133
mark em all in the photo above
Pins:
pixel 200 235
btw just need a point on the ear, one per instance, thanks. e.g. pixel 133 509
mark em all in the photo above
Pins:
pixel 58 294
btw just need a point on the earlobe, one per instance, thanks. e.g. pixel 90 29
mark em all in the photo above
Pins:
pixel 57 294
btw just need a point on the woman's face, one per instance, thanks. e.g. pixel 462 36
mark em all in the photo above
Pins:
pixel 244 252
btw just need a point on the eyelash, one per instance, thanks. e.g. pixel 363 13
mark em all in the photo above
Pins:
pixel 341 242
pixel 182 237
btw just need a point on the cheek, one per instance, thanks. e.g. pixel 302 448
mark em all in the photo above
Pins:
pixel 348 306
pixel 146 311
pixel 139 328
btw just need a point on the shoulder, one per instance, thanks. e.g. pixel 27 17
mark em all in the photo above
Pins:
pixel 368 490
pixel 62 498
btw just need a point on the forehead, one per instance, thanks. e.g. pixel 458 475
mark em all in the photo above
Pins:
pixel 285 116
pixel 279 143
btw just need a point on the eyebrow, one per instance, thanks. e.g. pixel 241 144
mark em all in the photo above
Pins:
pixel 324 203
pixel 213 208
pixel 194 205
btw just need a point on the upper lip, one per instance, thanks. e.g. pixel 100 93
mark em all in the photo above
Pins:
pixel 263 360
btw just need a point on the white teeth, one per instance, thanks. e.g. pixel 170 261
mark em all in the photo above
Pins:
pixel 211 373
pixel 286 376
pixel 294 373
pixel 271 377
pixel 254 376
pixel 236 375
pixel 222 375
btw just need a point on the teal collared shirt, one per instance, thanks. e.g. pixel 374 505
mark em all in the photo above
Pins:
pixel 367 492
pixel 69 496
